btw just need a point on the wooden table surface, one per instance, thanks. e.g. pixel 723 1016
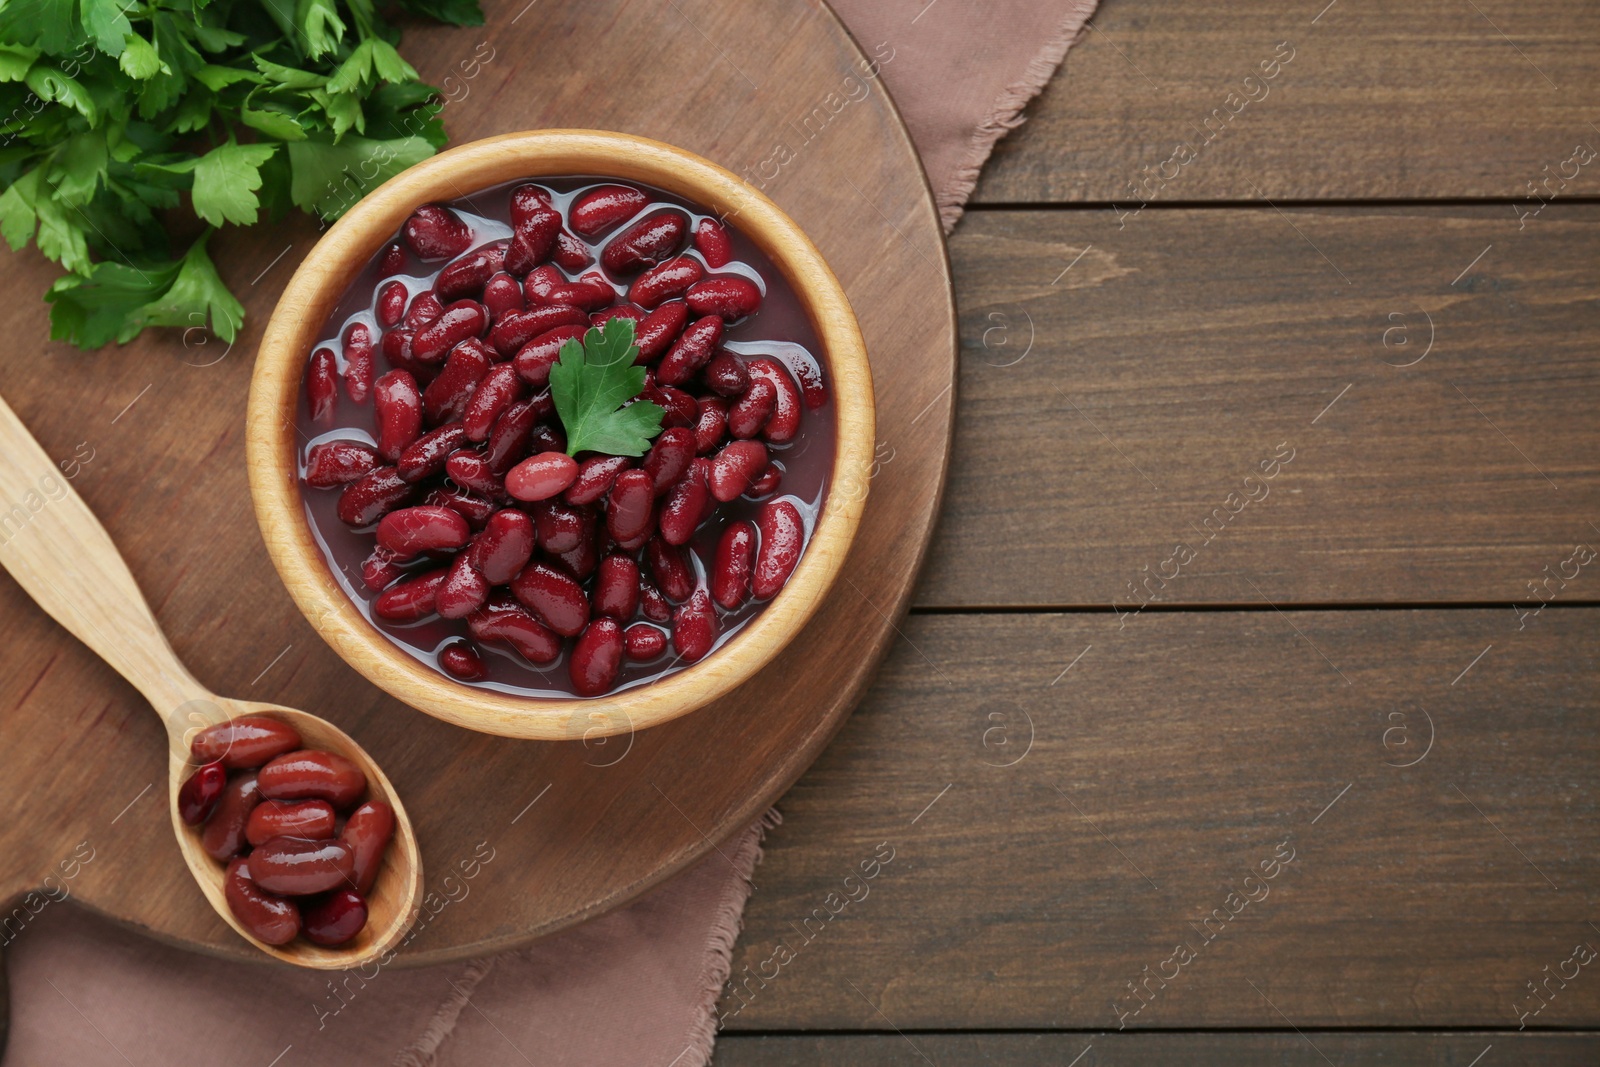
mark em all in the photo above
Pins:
pixel 1230 723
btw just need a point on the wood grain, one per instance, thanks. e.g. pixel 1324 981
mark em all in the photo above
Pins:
pixel 1109 411
pixel 163 418
pixel 1168 761
pixel 1153 1050
pixel 1428 99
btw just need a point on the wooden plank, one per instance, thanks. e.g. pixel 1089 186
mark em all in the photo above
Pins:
pixel 1428 99
pixel 1155 1049
pixel 1117 388
pixel 1169 762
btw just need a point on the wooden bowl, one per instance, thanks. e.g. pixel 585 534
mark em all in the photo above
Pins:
pixel 339 257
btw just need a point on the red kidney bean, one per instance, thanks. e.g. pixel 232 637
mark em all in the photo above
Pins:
pixel 461 661
pixel 270 919
pixel 502 295
pixel 535 227
pixel 659 330
pixel 809 375
pixel 682 509
pixel 652 602
pixel 411 600
pixel 542 476
pixel 559 528
pixel 471 471
pixel 461 320
pixel 633 544
pixel 513 332
pixel 366 501
pixel 654 238
pixel 603 207
pixel 399 407
pixel 681 408
pixel 334 463
pixel 307 820
pixel 368 831
pixel 669 457
pixel 712 425
pixel 334 919
pixel 379 569
pixel 534 360
pixel 616 587
pixel 412 531
pixel 292 867
pixel 463 590
pixel 435 232
pixel 311 774
pixel 735 467
pixel 546 285
pixel 468 275
pixel 358 362
pixel 426 456
pixel 447 395
pixel 247 741
pixel 691 351
pixel 425 310
pixel 582 558
pixel 553 597
pixel 782 538
pixel 632 500
pixel 731 297
pixel 322 384
pixel 749 414
pixel 589 292
pixel 546 438
pixel 643 642
pixel 570 253
pixel 200 792
pixel 700 471
pixel 504 547
pixel 393 261
pixel 785 421
pixel 694 627
pixel 665 281
pixel 669 566
pixel 594 478
pixel 735 562
pixel 390 307
pixel 397 350
pixel 766 483
pixel 596 658
pixel 508 441
pixel 621 311
pixel 495 392
pixel 474 509
pixel 711 241
pixel 504 619
pixel 224 833
pixel 726 375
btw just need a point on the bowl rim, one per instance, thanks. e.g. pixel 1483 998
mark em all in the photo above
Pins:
pixel 332 265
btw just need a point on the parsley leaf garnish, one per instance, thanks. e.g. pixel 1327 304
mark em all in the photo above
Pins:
pixel 110 112
pixel 592 385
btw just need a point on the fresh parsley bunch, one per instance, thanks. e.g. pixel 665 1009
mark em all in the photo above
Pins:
pixel 110 109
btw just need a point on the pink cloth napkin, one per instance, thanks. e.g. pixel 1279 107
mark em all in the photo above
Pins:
pixel 85 992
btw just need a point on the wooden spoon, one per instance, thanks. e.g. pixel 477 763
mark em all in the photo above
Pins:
pixel 57 550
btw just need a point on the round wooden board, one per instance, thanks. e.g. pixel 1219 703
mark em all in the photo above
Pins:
pixel 775 92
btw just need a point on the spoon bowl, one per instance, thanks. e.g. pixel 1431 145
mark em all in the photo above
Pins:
pixel 67 562
pixel 396 896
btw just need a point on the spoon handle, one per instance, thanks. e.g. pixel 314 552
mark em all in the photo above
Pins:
pixel 60 554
